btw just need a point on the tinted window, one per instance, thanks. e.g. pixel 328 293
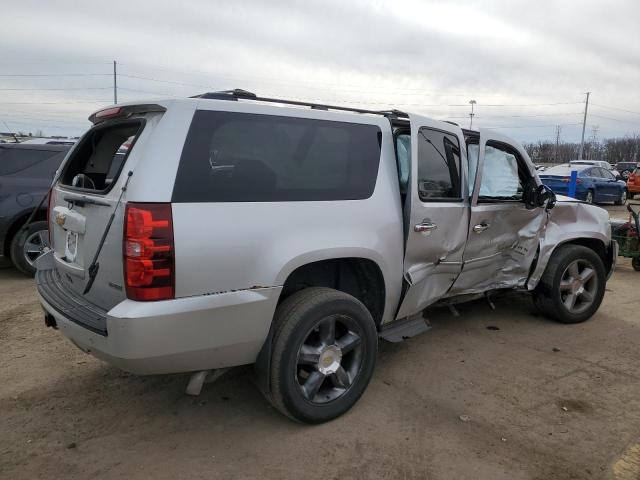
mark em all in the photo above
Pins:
pixel 239 157
pixel 607 174
pixel 403 158
pixel 500 177
pixel 13 160
pixel 438 165
pixel 473 153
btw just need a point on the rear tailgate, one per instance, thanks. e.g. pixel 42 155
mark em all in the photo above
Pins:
pixel 82 202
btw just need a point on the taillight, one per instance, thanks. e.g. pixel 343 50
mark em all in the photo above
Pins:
pixel 567 180
pixel 149 266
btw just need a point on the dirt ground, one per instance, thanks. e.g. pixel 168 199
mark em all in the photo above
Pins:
pixel 530 399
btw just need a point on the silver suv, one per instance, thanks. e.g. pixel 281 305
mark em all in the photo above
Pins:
pixel 244 230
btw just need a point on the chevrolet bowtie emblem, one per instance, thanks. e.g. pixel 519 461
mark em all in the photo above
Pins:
pixel 60 219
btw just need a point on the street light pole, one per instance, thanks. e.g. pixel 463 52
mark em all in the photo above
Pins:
pixel 471 115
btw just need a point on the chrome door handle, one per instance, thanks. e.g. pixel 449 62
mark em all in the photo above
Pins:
pixel 481 227
pixel 425 227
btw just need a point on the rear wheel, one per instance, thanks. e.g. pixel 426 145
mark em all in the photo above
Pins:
pixel 623 197
pixel 323 354
pixel 635 263
pixel 572 286
pixel 27 245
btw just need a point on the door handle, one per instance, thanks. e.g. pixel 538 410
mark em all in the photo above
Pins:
pixel 425 227
pixel 481 227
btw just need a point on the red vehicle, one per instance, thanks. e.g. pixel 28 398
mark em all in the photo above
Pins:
pixel 633 183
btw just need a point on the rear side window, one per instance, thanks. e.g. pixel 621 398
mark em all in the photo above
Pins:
pixel 14 160
pixel 239 157
pixel 97 160
pixel 438 165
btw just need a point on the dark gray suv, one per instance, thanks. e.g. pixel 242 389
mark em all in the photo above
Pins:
pixel 26 173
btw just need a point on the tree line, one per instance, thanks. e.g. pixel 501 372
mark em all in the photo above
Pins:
pixel 613 150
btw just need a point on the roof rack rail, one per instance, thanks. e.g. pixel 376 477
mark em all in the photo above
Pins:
pixel 234 95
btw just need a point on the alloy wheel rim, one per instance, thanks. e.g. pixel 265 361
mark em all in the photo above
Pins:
pixel 578 286
pixel 34 246
pixel 329 359
pixel 589 197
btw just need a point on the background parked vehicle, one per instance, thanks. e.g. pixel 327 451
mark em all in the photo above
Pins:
pixel 26 173
pixel 599 163
pixel 633 183
pixel 627 234
pixel 594 184
pixel 49 141
pixel 626 168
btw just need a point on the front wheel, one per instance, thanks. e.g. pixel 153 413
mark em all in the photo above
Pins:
pixel 622 199
pixel 27 245
pixel 589 198
pixel 324 353
pixel 635 263
pixel 572 286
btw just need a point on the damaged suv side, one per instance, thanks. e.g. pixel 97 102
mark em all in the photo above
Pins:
pixel 245 230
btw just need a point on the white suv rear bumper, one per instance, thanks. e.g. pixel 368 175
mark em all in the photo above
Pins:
pixel 181 335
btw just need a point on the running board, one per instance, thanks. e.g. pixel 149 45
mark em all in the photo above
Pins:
pixel 401 330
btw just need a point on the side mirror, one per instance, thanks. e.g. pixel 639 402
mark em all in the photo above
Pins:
pixel 545 197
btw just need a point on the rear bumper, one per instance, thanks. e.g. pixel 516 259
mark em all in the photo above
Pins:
pixel 633 188
pixel 172 336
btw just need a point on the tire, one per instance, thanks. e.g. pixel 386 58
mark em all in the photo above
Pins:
pixel 27 245
pixel 590 196
pixel 623 198
pixel 558 284
pixel 311 379
pixel 635 263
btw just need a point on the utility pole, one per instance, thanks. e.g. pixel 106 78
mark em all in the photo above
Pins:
pixel 471 115
pixel 593 143
pixel 115 84
pixel 584 125
pixel 558 130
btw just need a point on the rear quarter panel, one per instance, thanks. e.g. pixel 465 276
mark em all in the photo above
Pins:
pixel 242 245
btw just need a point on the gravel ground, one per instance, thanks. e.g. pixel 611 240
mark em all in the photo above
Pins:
pixel 530 399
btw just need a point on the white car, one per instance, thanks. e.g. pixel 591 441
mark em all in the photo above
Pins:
pixel 245 230
pixel 598 163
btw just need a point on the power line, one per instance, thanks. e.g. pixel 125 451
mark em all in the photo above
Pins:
pixel 106 102
pixel 533 126
pixel 52 89
pixel 55 75
pixel 617 119
pixel 615 108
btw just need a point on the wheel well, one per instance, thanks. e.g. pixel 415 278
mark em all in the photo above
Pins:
pixel 358 277
pixel 41 214
pixel 595 245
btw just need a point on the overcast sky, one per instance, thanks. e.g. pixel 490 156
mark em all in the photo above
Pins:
pixel 527 64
